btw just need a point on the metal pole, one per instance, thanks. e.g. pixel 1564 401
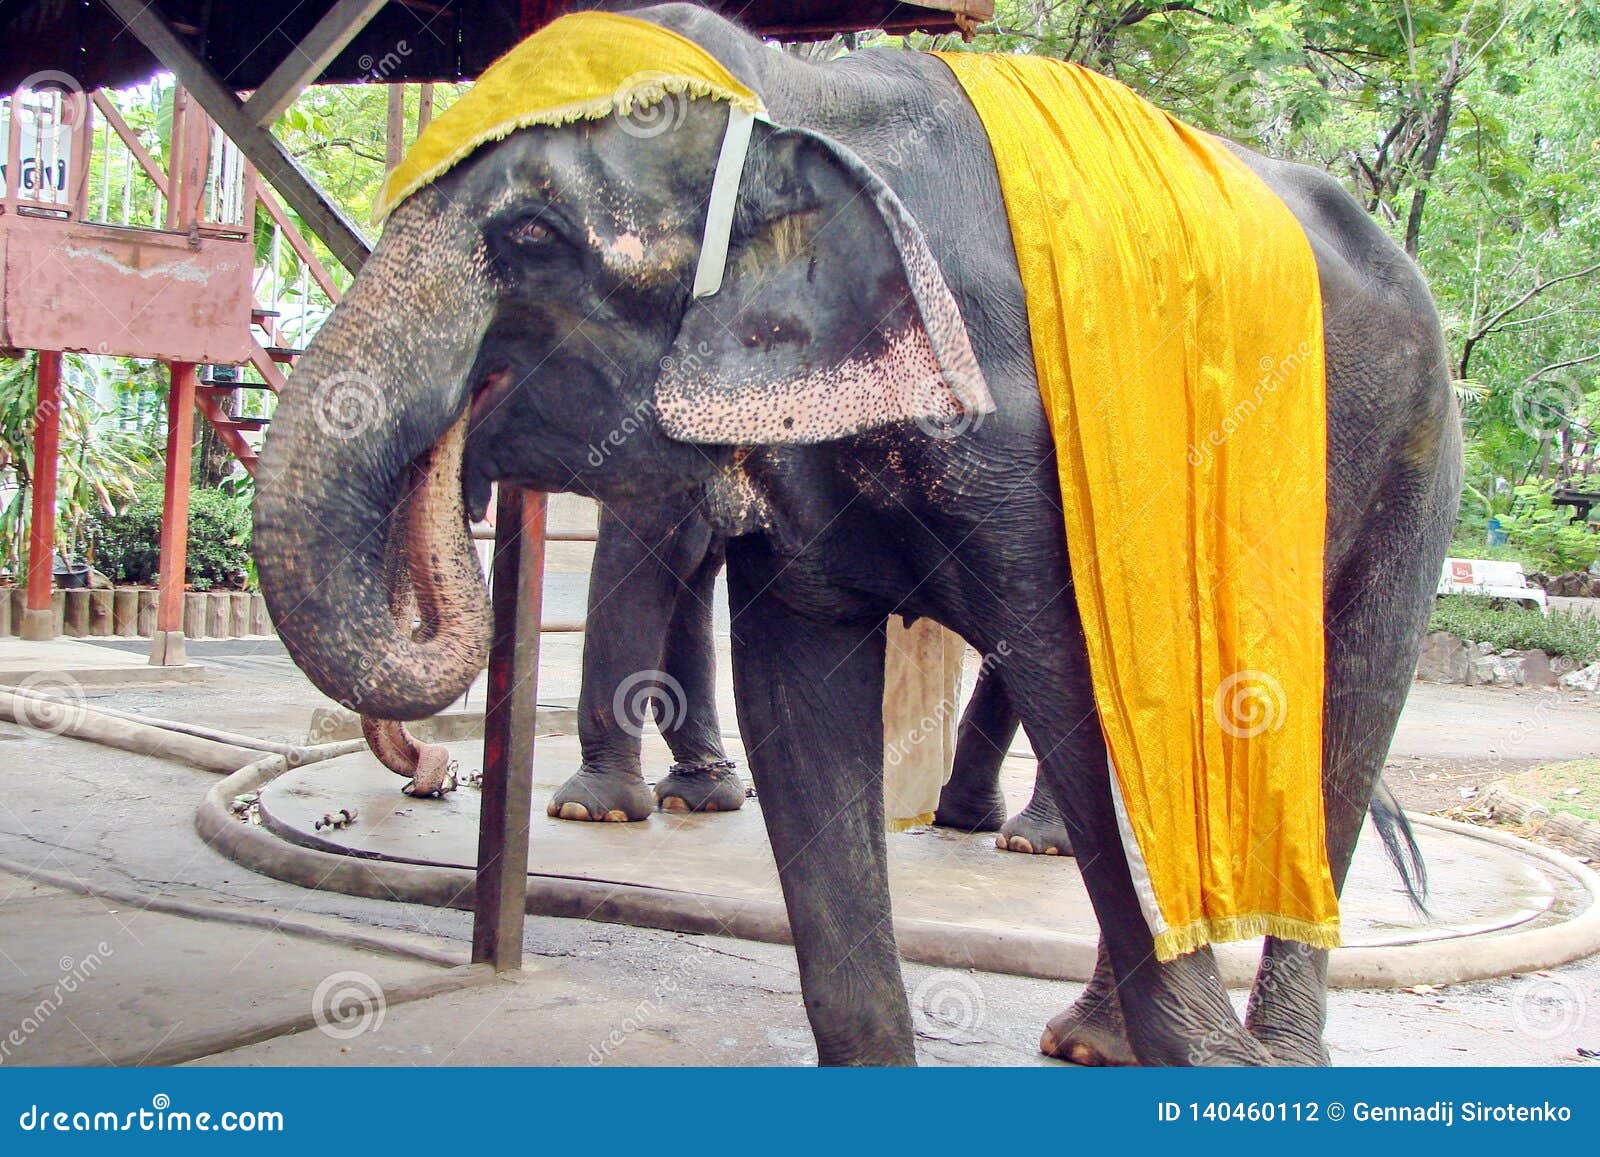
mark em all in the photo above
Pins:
pixel 38 621
pixel 166 644
pixel 508 727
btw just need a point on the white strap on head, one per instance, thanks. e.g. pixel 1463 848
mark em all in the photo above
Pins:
pixel 724 197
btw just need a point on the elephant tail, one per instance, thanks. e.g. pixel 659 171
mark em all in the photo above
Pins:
pixel 1400 842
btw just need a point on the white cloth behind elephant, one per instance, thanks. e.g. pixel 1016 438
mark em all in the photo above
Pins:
pixel 921 707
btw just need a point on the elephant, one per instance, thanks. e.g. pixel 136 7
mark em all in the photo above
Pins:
pixel 649 646
pixel 529 316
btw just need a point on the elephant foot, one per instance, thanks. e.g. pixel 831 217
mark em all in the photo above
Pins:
pixel 1291 1049
pixel 612 797
pixel 970 814
pixel 1038 832
pixel 713 786
pixel 1091 1032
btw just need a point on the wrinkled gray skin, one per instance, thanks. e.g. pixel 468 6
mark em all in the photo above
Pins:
pixel 513 287
pixel 650 591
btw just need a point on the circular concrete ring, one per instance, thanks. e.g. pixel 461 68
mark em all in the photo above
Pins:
pixel 1047 956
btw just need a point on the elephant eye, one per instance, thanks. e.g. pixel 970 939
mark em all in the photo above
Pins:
pixel 531 233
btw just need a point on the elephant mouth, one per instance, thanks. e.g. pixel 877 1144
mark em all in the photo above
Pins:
pixel 493 388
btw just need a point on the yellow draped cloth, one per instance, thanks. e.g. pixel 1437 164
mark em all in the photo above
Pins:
pixel 1177 333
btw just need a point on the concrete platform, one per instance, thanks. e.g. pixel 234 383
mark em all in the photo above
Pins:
pixel 942 880
pixel 64 662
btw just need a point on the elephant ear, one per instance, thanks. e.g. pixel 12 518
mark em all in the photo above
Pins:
pixel 833 317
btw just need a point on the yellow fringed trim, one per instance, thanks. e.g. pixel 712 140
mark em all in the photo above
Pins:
pixel 1176 942
pixel 914 822
pixel 590 110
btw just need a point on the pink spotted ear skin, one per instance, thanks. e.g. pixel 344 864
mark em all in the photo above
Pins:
pixel 853 330
pixel 902 382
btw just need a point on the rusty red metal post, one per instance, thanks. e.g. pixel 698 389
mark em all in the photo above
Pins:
pixel 166 644
pixel 508 727
pixel 38 619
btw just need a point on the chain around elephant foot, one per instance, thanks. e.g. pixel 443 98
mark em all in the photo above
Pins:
pixel 609 796
pixel 965 812
pixel 1036 829
pixel 712 786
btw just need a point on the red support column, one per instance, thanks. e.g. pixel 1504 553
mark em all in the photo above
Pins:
pixel 508 726
pixel 166 645
pixel 38 619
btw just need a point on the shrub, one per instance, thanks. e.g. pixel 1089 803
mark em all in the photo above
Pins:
pixel 1546 531
pixel 127 546
pixel 1511 627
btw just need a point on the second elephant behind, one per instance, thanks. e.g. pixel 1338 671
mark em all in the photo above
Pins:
pixel 649 654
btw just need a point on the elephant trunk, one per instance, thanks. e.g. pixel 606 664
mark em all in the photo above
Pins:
pixel 366 444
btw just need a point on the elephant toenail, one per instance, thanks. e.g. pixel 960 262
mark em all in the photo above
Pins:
pixel 1052 851
pixel 672 803
pixel 615 816
pixel 1020 844
pixel 574 811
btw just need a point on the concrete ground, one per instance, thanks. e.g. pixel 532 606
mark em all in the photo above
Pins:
pixel 198 952
pixel 593 993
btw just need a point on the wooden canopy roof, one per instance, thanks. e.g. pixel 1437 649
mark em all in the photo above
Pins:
pixel 404 40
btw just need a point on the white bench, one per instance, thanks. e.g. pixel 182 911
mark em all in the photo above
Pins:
pixel 1500 580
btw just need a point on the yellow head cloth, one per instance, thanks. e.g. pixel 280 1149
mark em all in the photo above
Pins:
pixel 584 66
